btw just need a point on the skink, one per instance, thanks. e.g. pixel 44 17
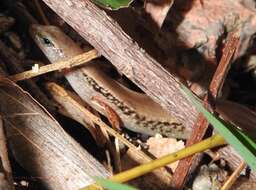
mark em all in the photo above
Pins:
pixel 137 111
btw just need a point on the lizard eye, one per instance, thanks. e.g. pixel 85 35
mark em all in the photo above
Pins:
pixel 47 42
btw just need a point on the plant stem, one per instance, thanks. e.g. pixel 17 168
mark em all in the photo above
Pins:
pixel 135 172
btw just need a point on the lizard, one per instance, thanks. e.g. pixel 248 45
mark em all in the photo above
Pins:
pixel 137 111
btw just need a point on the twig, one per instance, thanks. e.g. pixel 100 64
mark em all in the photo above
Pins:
pixel 231 180
pixel 73 62
pixel 115 122
pixel 117 156
pixel 200 127
pixel 225 64
pixel 73 106
pixel 112 116
pixel 41 12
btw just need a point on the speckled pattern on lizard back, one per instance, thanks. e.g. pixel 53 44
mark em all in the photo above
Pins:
pixel 138 112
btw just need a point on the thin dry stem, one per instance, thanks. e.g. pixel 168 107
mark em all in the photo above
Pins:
pixel 201 125
pixel 232 179
pixel 41 12
pixel 73 62
pixel 117 156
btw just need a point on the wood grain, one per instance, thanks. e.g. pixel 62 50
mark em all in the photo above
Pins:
pixel 41 146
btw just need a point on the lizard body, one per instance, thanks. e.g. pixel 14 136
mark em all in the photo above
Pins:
pixel 137 111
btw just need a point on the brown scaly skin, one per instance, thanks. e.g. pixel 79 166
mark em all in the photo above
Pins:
pixel 137 111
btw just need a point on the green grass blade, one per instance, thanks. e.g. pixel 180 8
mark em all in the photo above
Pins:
pixel 110 185
pixel 113 4
pixel 241 142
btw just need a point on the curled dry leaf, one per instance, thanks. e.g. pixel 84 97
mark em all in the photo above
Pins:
pixel 158 10
pixel 163 146
pixel 112 116
pixel 41 146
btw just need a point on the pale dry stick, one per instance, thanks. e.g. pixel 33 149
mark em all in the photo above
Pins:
pixel 115 123
pixel 59 91
pixel 73 111
pixel 6 180
pixel 41 12
pixel 73 62
pixel 232 179
pixel 118 160
pixel 69 109
pixel 108 164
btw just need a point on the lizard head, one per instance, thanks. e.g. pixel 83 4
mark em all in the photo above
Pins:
pixel 53 42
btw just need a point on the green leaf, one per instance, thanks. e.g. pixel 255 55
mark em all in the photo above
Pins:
pixel 113 4
pixel 241 142
pixel 108 184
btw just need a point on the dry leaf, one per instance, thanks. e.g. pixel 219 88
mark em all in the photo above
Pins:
pixel 41 146
pixel 159 147
pixel 158 10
